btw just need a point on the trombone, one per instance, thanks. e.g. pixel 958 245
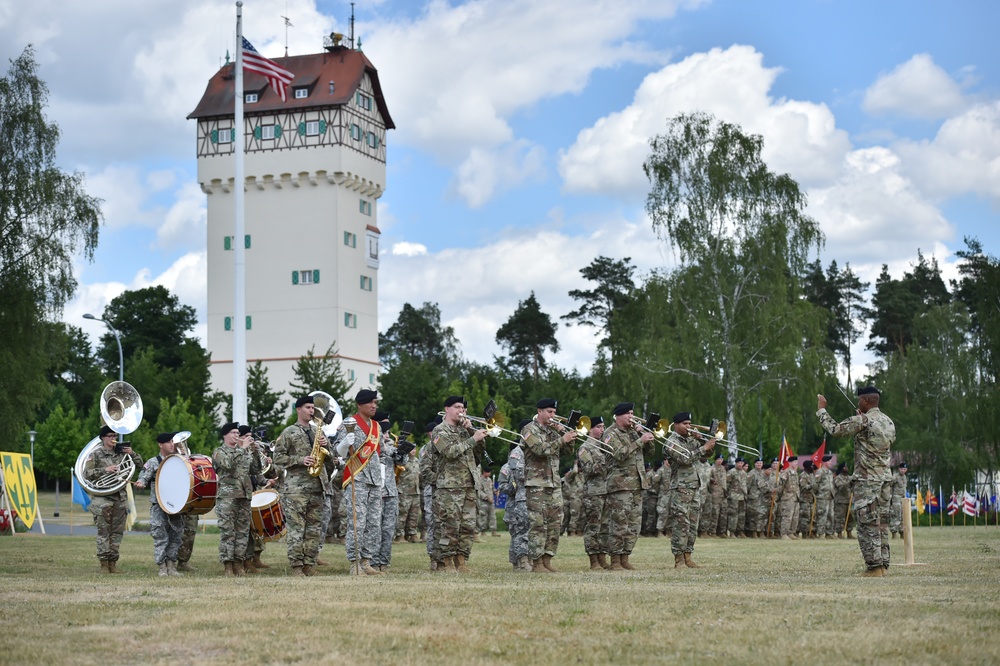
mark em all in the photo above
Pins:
pixel 717 431
pixel 661 433
pixel 494 426
pixel 581 425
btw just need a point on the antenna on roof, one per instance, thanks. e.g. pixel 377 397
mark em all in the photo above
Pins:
pixel 352 26
pixel 288 24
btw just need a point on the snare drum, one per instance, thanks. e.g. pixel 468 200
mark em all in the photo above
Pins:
pixel 266 516
pixel 186 484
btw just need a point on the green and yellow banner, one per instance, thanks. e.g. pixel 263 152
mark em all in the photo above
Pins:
pixel 19 485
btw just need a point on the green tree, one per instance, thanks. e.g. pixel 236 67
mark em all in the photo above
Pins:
pixel 263 405
pixel 418 334
pixel 896 304
pixel 741 236
pixel 526 335
pixel 58 441
pixel 47 220
pixel 148 318
pixel 321 373
pixel 840 297
pixel 615 285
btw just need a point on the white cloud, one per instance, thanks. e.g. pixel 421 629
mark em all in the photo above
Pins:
pixel 185 223
pixel 800 138
pixel 408 249
pixel 486 172
pixel 917 88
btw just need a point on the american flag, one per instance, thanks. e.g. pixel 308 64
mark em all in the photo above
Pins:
pixel 970 504
pixel 276 75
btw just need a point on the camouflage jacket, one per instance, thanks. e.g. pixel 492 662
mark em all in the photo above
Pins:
pixel 666 472
pixel 807 487
pixel 788 484
pixel 684 452
pixel 874 434
pixel 704 470
pixel 485 488
pixel 457 467
pixel 898 487
pixel 628 470
pixel 371 473
pixel 387 457
pixel 737 484
pixel 290 451
pixel 234 466
pixel 148 476
pixel 542 446
pixel 720 482
pixel 593 464
pixel 515 468
pixel 652 483
pixel 100 460
pixel 842 488
pixel 756 483
pixel 824 484
pixel 429 462
pixel 408 482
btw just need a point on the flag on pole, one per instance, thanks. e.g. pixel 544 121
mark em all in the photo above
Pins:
pixel 276 75
pixel 932 503
pixel 785 454
pixel 79 496
pixel 970 504
pixel 953 503
pixel 919 503
pixel 817 457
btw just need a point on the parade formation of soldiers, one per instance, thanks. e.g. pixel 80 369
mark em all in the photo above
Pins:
pixel 367 490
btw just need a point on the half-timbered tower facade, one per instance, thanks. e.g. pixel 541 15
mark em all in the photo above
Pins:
pixel 314 170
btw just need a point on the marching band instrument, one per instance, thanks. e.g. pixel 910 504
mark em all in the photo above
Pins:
pixel 266 515
pixel 180 442
pixel 660 429
pixel 579 424
pixel 717 431
pixel 121 410
pixel 327 418
pixel 186 484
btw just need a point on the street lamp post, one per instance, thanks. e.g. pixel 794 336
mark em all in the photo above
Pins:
pixel 121 357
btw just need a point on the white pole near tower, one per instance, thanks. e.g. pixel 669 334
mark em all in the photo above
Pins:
pixel 239 265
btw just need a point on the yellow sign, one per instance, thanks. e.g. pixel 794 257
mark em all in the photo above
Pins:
pixel 19 485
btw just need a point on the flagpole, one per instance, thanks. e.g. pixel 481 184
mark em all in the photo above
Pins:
pixel 239 265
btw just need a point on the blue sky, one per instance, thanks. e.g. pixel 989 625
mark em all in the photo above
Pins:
pixel 522 127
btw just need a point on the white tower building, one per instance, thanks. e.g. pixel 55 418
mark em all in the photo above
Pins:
pixel 315 168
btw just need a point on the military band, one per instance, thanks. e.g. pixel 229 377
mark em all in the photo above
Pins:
pixel 111 510
pixel 167 530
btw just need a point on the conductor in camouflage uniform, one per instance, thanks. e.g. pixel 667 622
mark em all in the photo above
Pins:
pixel 110 511
pixel 456 505
pixel 684 447
pixel 301 494
pixel 627 479
pixel 234 465
pixel 594 462
pixel 166 529
pixel 874 434
pixel 898 493
pixel 543 443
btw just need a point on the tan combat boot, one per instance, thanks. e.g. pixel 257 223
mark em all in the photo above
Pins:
pixel 104 567
pixel 594 565
pixel 366 567
pixel 625 562
pixel 616 563
pixel 249 568
pixel 447 565
pixel 258 563
pixel 321 563
pixel 184 566
pixel 494 533
pixel 163 569
pixel 689 562
pixel 679 561
pixel 113 567
pixel 308 570
pixel 602 559
pixel 849 535
pixel 172 568
pixel 460 564
pixel 547 563
pixel 238 570
pixel 877 572
pixel 537 566
pixel 524 563
pixel 229 569
pixel 297 570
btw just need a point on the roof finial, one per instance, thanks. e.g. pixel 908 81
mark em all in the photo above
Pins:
pixel 352 25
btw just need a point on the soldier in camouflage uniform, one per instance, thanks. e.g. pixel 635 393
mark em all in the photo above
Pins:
pixel 301 493
pixel 788 496
pixel 234 464
pixel 769 502
pixel 843 517
pixel 455 495
pixel 874 434
pixel 110 511
pixel 382 557
pixel 649 497
pixel 755 487
pixel 486 520
pixel 683 448
pixel 593 463
pixel 824 499
pixel 166 529
pixel 896 504
pixel 543 443
pixel 516 513
pixel 363 499
pixel 430 461
pixel 627 480
pixel 719 487
pixel 408 489
pixel 737 498
pixel 661 479
pixel 267 478
pixel 807 500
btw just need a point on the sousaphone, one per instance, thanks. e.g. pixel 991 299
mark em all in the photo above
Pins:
pixel 121 410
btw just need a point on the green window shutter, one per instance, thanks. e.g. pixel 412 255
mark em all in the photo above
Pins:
pixel 215 136
pixel 257 132
pixel 229 323
pixel 227 243
pixel 295 277
pixel 322 127
pixel 316 276
pixel 277 131
pixel 246 241
pixel 249 322
pixel 302 129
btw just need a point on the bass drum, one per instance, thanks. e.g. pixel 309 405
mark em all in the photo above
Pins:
pixel 266 515
pixel 186 484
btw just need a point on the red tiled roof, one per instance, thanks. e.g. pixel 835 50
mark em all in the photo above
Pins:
pixel 345 67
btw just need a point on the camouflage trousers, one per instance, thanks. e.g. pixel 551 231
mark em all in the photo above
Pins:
pixel 684 512
pixel 390 516
pixel 516 517
pixel 303 515
pixel 719 520
pixel 409 516
pixel 824 517
pixel 455 511
pixel 663 511
pixel 363 512
pixel 757 513
pixel 234 529
pixel 595 524
pixel 789 516
pixel 187 539
pixel 167 531
pixel 871 506
pixel 624 510
pixel 109 516
pixel 428 505
pixel 807 517
pixel 706 515
pixel 572 515
pixel 896 515
pixel 329 511
pixel 648 522
pixel 737 514
pixel 842 517
pixel 486 519
pixel 545 512
pixel 750 519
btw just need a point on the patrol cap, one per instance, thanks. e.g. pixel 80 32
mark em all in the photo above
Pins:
pixel 680 417
pixel 164 437
pixel 303 400
pixel 229 427
pixel 454 399
pixel 623 408
pixel 868 390
pixel 547 403
pixel 365 396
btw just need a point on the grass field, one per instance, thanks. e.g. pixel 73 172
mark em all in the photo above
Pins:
pixel 754 601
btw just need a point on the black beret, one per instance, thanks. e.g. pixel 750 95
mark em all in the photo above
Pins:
pixel 596 421
pixel 827 458
pixel 758 460
pixel 546 403
pixel 720 457
pixel 524 422
pixel 385 425
pixel 381 416
pixel 244 430
pixel 868 390
pixel 454 399
pixel 365 396
pixel 164 437
pixel 793 459
pixel 774 460
pixel 105 431
pixel 303 400
pixel 842 468
pixel 809 464
pixel 740 459
pixel 227 428
pixel 430 426
pixel 680 417
pixel 902 465
pixel 623 408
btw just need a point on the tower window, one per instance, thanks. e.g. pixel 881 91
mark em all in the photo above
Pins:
pixel 312 127
pixel 366 283
pixel 355 132
pixel 250 98
pixel 372 140
pixel 350 320
pixel 350 240
pixel 301 93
